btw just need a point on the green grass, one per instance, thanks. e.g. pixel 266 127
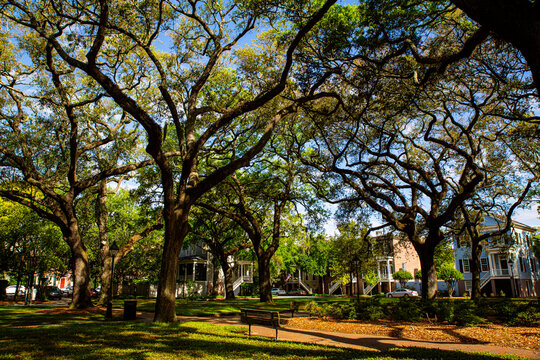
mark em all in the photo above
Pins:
pixel 29 334
pixel 218 307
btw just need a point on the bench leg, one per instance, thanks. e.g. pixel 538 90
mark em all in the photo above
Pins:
pixel 249 329
pixel 276 333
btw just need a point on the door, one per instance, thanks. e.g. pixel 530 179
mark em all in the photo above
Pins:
pixel 504 267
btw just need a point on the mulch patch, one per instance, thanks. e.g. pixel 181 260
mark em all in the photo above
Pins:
pixel 499 335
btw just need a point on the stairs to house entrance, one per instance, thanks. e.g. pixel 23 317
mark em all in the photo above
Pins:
pixel 333 287
pixel 368 289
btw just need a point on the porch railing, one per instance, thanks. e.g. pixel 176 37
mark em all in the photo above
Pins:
pixel 369 288
pixel 485 279
pixel 333 287
pixel 237 283
pixel 499 272
pixel 305 286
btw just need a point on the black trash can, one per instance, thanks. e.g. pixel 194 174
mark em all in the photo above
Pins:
pixel 130 309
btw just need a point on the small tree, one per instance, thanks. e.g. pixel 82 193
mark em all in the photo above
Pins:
pixel 450 275
pixel 402 276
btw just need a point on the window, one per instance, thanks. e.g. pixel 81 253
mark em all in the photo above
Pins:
pixel 522 266
pixel 200 272
pixel 468 285
pixel 466 266
pixel 484 264
pixel 182 272
pixel 533 265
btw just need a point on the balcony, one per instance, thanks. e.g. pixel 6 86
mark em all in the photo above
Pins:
pixel 500 272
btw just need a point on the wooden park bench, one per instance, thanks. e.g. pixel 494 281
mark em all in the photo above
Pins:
pixel 261 317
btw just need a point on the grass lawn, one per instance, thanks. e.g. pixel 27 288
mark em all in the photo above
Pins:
pixel 39 333
pixel 218 307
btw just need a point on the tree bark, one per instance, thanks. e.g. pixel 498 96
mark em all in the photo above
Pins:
pixel 81 271
pixel 265 280
pixel 517 22
pixel 476 250
pixel 176 229
pixel 215 277
pixel 228 272
pixel 106 261
pixel 429 273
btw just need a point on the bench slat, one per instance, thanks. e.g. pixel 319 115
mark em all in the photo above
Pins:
pixel 260 317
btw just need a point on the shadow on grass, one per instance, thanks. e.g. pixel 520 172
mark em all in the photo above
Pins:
pixel 76 337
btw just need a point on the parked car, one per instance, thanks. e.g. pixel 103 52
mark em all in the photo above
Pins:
pixel 296 292
pixel 52 292
pixel 68 290
pixel 277 291
pixel 10 290
pixel 94 293
pixel 402 293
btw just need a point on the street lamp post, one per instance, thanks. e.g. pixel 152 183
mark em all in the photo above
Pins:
pixel 356 263
pixel 113 250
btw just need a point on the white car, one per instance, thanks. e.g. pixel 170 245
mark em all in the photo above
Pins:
pixel 277 291
pixel 10 290
pixel 402 293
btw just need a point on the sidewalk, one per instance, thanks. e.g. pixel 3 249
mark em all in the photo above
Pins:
pixel 355 341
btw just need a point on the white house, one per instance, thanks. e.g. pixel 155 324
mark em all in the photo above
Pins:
pixel 508 264
pixel 195 273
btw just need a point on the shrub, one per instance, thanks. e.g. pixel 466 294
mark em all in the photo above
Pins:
pixel 528 317
pixel 444 310
pixel 312 307
pixel 407 309
pixel 468 314
pixel 505 310
pixel 370 309
pixel 371 312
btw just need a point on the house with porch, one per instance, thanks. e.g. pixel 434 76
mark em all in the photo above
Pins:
pixel 508 264
pixel 392 252
pixel 196 273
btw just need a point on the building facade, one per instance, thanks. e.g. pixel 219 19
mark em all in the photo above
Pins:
pixel 508 264
pixel 196 273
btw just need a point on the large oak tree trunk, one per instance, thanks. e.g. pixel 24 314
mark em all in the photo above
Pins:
pixel 105 280
pixel 429 274
pixel 229 282
pixel 81 271
pixel 265 281
pixel 176 229
pixel 476 250
pixel 215 277
pixel 106 261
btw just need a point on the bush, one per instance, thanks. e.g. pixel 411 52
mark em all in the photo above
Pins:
pixel 370 309
pixel 444 310
pixel 370 312
pixel 529 317
pixel 468 314
pixel 407 309
pixel 505 310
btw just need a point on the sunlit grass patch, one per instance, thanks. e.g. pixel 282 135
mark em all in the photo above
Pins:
pixel 75 336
